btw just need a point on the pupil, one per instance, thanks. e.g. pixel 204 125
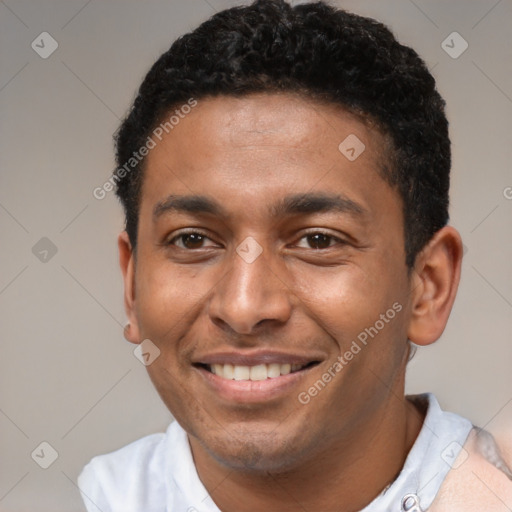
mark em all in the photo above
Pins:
pixel 193 240
pixel 319 241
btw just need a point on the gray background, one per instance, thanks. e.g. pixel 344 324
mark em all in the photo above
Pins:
pixel 67 376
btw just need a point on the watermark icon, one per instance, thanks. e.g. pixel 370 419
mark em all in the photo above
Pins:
pixel 249 250
pixel 352 147
pixel 44 45
pixel 304 397
pixel 454 45
pixel 454 455
pixel 146 352
pixel 507 192
pixel 44 250
pixel 150 143
pixel 44 455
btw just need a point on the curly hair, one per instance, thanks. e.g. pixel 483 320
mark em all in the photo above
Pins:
pixel 325 54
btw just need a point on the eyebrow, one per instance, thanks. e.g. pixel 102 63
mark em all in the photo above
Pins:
pixel 296 204
pixel 188 204
pixel 316 203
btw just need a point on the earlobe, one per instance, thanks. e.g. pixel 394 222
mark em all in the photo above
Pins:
pixel 127 264
pixel 434 285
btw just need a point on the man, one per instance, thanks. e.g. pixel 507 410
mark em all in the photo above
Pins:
pixel 284 173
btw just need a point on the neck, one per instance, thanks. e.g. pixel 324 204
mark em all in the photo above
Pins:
pixel 346 477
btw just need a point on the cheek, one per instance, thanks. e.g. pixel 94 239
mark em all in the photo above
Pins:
pixel 364 316
pixel 167 296
pixel 184 402
pixel 344 300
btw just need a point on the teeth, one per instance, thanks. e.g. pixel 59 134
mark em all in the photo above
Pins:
pixel 218 369
pixel 242 373
pixel 229 371
pixel 259 372
pixel 286 369
pixel 254 373
pixel 273 370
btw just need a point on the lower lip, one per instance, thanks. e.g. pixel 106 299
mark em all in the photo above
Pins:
pixel 248 391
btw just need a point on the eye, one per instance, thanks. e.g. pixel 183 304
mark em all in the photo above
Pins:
pixel 320 240
pixel 189 240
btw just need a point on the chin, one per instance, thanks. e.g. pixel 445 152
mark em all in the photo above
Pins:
pixel 245 450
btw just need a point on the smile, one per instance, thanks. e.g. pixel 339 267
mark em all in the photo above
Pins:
pixel 255 377
pixel 255 373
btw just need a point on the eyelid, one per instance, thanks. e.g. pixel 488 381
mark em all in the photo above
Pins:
pixel 187 231
pixel 198 231
pixel 315 231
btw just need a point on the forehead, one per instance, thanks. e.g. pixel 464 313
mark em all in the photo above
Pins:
pixel 257 120
pixel 254 148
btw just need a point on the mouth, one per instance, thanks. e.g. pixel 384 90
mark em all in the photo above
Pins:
pixel 255 377
pixel 257 372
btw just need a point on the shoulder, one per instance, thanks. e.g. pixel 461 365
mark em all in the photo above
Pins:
pixel 127 479
pixel 481 476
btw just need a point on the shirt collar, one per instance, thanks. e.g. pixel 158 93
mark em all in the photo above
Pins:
pixel 430 459
pixel 185 491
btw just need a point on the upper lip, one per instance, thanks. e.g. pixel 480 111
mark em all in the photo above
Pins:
pixel 247 358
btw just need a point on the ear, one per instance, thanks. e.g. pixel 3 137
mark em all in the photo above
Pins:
pixel 434 286
pixel 127 263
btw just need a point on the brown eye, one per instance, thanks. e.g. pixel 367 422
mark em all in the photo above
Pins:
pixel 319 240
pixel 191 240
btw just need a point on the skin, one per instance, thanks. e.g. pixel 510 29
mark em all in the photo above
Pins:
pixel 303 295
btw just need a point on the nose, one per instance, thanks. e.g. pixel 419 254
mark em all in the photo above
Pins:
pixel 250 296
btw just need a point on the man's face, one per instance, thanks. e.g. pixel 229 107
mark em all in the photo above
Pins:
pixel 275 254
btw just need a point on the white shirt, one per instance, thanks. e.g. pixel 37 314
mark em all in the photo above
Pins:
pixel 157 473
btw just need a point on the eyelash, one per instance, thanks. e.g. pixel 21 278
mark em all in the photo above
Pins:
pixel 184 233
pixel 310 233
pixel 337 240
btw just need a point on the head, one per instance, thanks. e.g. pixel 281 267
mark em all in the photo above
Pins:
pixel 291 206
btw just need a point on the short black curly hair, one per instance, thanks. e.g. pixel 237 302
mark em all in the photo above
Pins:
pixel 322 53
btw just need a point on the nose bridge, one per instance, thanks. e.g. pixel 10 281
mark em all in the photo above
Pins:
pixel 250 292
